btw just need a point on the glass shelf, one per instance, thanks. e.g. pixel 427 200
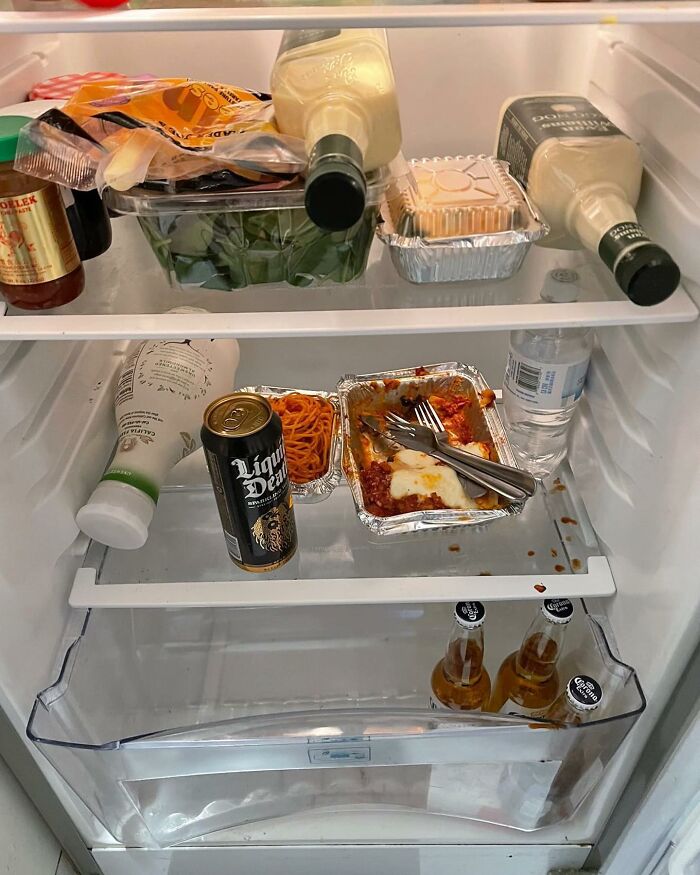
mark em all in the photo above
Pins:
pixel 550 548
pixel 126 296
pixel 62 16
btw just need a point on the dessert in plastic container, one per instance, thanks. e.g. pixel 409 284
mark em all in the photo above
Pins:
pixel 230 240
pixel 320 488
pixel 456 219
pixel 370 394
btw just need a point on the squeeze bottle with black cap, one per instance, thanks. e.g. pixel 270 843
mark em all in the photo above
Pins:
pixel 585 175
pixel 335 90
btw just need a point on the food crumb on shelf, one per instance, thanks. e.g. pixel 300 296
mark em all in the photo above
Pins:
pixel 558 486
pixel 554 553
pixel 454 548
pixel 540 587
pixel 559 568
pixel 530 552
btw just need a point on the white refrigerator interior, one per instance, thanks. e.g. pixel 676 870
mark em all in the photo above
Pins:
pixel 365 625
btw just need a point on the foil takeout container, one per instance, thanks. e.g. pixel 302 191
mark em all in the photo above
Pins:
pixel 320 488
pixel 456 219
pixel 363 394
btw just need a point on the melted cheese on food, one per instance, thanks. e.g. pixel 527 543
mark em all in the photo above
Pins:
pixel 416 473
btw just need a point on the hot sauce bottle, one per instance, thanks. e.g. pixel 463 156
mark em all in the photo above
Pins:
pixel 39 263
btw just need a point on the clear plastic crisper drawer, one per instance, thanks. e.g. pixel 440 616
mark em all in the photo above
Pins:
pixel 173 723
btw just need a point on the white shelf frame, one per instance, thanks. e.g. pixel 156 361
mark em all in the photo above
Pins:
pixel 344 323
pixel 87 593
pixel 277 17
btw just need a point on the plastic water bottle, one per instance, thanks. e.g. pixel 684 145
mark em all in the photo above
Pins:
pixel 544 378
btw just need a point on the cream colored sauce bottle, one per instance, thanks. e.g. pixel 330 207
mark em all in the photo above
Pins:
pixel 335 90
pixel 585 176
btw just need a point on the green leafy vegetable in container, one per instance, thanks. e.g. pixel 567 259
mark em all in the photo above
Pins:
pixel 229 240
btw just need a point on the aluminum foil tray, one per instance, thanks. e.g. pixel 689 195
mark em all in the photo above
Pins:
pixel 321 488
pixel 369 392
pixel 409 223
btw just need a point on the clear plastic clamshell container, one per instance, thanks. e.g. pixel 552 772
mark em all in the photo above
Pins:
pixel 230 240
pixel 172 724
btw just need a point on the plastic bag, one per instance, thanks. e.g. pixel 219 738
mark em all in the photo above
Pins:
pixel 160 131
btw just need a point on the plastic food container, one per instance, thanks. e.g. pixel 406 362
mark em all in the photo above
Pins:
pixel 360 395
pixel 456 219
pixel 230 240
pixel 320 488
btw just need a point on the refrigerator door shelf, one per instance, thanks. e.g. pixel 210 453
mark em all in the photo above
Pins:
pixel 548 549
pixel 173 724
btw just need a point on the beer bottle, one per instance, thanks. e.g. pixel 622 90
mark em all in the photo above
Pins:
pixel 527 682
pixel 576 704
pixel 459 681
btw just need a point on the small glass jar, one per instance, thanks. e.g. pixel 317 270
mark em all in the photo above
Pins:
pixel 39 263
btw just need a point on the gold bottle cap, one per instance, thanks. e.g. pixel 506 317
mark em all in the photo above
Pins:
pixel 237 415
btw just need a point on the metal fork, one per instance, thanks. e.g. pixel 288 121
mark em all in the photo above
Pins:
pixel 429 417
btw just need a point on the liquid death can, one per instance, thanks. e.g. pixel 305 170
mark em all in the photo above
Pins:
pixel 242 438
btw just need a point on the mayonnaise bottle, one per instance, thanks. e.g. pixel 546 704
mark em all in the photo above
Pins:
pixel 335 90
pixel 162 393
pixel 585 175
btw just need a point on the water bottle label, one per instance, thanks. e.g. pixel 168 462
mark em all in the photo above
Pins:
pixel 547 386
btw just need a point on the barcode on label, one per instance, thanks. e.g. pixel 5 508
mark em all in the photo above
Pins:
pixel 233 546
pixel 527 377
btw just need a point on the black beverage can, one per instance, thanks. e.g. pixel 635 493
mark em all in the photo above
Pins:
pixel 242 438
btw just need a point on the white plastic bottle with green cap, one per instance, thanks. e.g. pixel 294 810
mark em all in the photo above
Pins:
pixel 544 379
pixel 162 392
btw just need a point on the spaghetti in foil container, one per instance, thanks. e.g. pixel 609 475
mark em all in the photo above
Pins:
pixel 486 237
pixel 320 488
pixel 363 394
